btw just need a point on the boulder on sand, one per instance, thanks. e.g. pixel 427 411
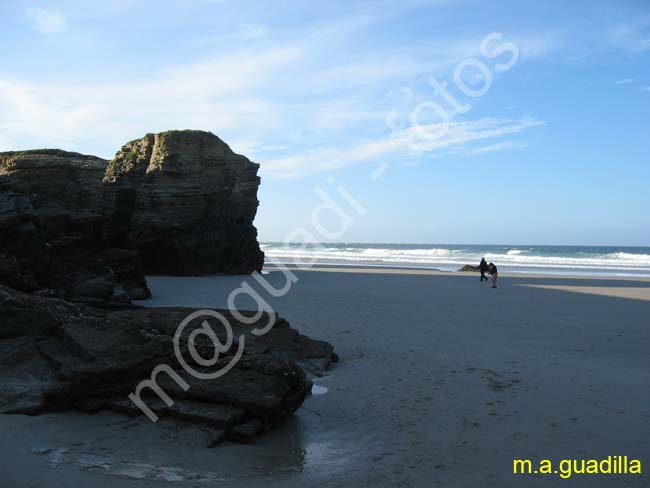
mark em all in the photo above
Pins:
pixel 469 268
pixel 55 355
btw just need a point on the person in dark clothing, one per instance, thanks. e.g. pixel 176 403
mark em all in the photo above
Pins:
pixel 483 267
pixel 493 273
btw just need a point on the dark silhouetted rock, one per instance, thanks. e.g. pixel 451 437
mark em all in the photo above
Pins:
pixel 51 230
pixel 55 355
pixel 10 273
pixel 469 268
pixel 22 240
pixel 73 234
pixel 186 202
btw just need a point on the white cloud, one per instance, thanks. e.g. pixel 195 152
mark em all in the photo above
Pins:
pixel 46 21
pixel 646 88
pixel 262 98
pixel 535 46
pixel 191 96
pixel 264 93
pixel 499 146
pixel 625 81
pixel 405 144
pixel 459 133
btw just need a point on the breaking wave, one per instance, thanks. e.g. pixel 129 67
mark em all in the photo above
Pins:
pixel 606 259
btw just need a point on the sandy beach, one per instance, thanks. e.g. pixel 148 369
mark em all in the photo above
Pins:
pixel 441 381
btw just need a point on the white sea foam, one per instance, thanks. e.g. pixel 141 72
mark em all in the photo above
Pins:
pixel 514 252
pixel 579 258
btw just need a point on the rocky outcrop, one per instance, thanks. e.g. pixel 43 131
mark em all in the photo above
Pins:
pixel 186 202
pixel 183 200
pixel 469 268
pixel 53 178
pixel 73 234
pixel 55 355
pixel 52 237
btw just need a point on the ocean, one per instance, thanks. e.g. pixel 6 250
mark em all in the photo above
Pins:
pixel 571 260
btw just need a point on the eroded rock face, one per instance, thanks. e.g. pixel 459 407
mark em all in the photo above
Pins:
pixel 22 244
pixel 71 240
pixel 55 355
pixel 186 202
pixel 51 236
pixel 55 178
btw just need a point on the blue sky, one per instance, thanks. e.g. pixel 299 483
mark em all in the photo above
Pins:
pixel 555 151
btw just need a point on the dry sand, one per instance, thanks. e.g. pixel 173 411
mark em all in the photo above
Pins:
pixel 442 381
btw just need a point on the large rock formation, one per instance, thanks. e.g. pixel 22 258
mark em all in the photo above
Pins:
pixel 186 202
pixel 72 232
pixel 54 178
pixel 52 237
pixel 55 355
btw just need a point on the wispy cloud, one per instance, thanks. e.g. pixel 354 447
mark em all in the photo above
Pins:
pixel 197 95
pixel 631 36
pixel 266 97
pixel 402 145
pixel 625 81
pixel 499 146
pixel 646 88
pixel 47 21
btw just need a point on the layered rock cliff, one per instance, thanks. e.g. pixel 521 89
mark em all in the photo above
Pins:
pixel 73 230
pixel 51 236
pixel 179 202
pixel 55 178
pixel 186 202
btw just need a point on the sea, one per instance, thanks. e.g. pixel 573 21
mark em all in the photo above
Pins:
pixel 568 260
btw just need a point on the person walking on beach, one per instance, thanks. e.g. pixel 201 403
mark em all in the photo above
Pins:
pixel 493 273
pixel 483 267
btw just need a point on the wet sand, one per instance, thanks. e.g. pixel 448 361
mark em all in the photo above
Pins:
pixel 442 381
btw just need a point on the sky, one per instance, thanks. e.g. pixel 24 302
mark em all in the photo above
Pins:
pixel 440 121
